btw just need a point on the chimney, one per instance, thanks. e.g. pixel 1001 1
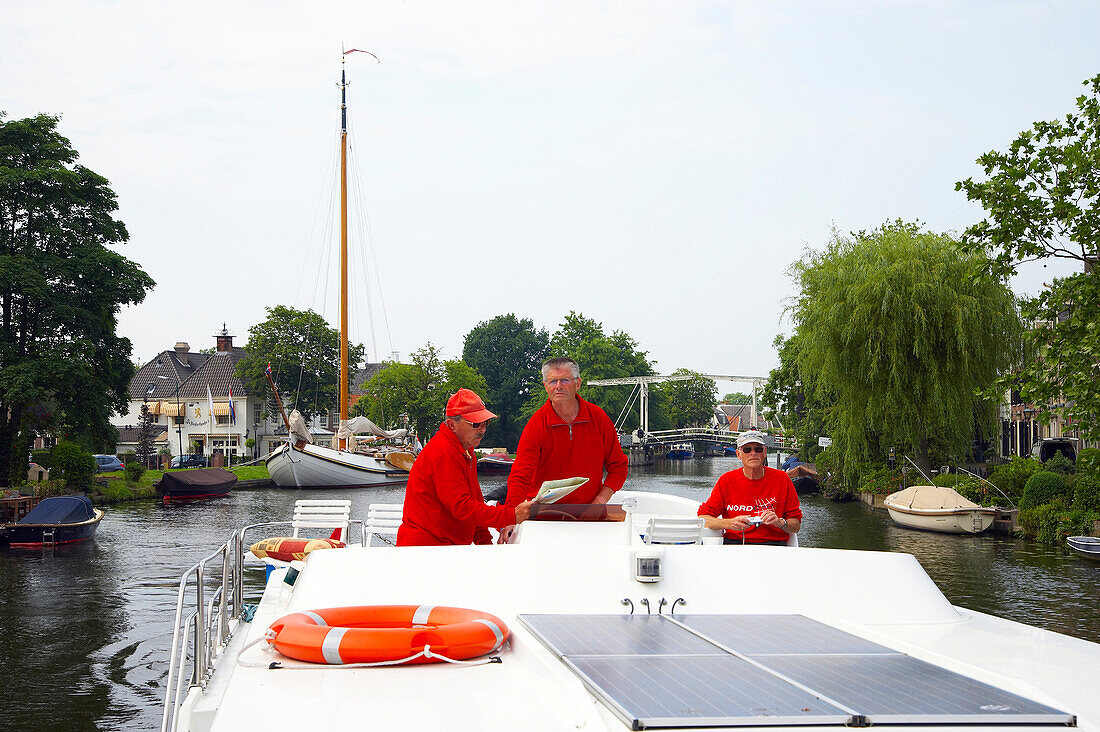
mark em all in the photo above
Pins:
pixel 225 341
pixel 181 347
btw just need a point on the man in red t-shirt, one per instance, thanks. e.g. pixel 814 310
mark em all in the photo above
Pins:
pixel 567 437
pixel 756 504
pixel 443 500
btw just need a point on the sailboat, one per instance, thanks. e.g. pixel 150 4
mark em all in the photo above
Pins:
pixel 301 464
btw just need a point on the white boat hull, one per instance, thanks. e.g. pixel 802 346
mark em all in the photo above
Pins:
pixel 312 466
pixel 533 689
pixel 947 521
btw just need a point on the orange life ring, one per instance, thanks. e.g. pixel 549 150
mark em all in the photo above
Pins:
pixel 373 633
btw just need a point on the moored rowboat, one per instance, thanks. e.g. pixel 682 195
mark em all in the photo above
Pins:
pixel 937 508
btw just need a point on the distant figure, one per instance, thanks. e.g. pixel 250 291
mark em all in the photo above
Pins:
pixel 754 504
pixel 443 500
pixel 567 437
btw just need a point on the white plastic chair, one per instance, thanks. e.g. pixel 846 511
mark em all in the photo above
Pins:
pixel 674 530
pixel 322 514
pixel 382 519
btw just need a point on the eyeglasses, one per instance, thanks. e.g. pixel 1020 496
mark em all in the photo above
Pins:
pixel 555 382
pixel 753 448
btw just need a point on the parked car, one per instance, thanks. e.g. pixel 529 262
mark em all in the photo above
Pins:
pixel 1046 449
pixel 107 463
pixel 189 461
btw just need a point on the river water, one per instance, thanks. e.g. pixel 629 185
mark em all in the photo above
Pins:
pixel 85 631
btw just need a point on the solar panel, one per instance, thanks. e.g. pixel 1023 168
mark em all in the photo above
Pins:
pixel 756 635
pixel 699 691
pixel 616 635
pixel 761 670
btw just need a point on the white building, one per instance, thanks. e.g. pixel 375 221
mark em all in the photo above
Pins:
pixel 175 386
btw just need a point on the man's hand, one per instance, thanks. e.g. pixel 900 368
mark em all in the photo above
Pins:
pixel 769 518
pixel 506 534
pixel 738 523
pixel 523 511
pixel 604 495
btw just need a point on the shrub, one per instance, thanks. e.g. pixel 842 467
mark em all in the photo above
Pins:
pixel 1059 463
pixel 1051 523
pixel 49 487
pixel 1086 493
pixel 72 465
pixel 42 457
pixel 1013 475
pixel 1088 462
pixel 879 479
pixel 1042 488
pixel 134 469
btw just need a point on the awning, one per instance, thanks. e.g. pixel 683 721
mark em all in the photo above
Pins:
pixel 170 409
pixel 221 409
pixel 154 407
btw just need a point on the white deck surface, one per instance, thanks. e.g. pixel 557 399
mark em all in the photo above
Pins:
pixel 884 597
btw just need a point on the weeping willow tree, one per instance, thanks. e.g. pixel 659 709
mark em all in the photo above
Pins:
pixel 904 331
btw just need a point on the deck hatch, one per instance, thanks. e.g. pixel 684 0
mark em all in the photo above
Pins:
pixel 654 671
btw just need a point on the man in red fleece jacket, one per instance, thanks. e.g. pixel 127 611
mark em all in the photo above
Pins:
pixel 567 437
pixel 443 501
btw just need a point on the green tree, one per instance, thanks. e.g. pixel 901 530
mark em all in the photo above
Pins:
pixel 796 398
pixel 61 286
pixel 304 353
pixel 737 397
pixel 901 329
pixel 1040 203
pixel 508 352
pixel 418 390
pixel 602 356
pixel 690 403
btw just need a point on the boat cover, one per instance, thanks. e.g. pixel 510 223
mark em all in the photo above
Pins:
pixel 930 497
pixel 196 478
pixel 60 510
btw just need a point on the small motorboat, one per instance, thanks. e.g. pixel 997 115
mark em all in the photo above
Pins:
pixel 681 451
pixel 1086 546
pixel 730 450
pixel 53 522
pixel 195 485
pixel 495 462
pixel 804 477
pixel 937 508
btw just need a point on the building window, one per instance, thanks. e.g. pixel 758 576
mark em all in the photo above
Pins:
pixel 223 420
pixel 177 420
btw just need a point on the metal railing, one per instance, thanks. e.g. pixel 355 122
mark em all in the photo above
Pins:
pixel 206 620
pixel 716 435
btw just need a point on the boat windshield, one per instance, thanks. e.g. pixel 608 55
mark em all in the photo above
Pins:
pixel 576 512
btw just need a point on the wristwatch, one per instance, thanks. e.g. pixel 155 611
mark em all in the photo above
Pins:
pixel 784 523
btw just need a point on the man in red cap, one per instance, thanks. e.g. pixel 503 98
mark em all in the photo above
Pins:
pixel 443 501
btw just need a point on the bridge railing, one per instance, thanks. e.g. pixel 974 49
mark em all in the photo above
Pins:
pixel 712 434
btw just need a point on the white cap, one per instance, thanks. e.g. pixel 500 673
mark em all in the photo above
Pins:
pixel 751 436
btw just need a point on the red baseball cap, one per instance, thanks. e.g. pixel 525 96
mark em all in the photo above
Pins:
pixel 468 405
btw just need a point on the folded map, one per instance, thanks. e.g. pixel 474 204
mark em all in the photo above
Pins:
pixel 553 490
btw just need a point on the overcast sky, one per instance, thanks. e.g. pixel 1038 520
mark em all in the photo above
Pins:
pixel 655 166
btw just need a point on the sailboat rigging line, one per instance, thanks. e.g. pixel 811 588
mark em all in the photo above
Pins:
pixel 366 236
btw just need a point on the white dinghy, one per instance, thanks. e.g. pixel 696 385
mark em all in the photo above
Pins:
pixel 630 616
pixel 937 508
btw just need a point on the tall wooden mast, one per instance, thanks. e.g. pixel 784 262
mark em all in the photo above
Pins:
pixel 343 246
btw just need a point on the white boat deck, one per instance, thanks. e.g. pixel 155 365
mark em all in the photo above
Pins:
pixel 587 568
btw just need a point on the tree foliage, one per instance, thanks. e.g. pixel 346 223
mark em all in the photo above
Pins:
pixel 796 398
pixel 737 397
pixel 507 351
pixel 145 451
pixel 690 403
pixel 901 329
pixel 61 287
pixel 1040 201
pixel 418 390
pixel 304 353
pixel 602 356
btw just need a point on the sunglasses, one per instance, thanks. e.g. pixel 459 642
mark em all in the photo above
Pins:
pixel 555 382
pixel 475 425
pixel 753 448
